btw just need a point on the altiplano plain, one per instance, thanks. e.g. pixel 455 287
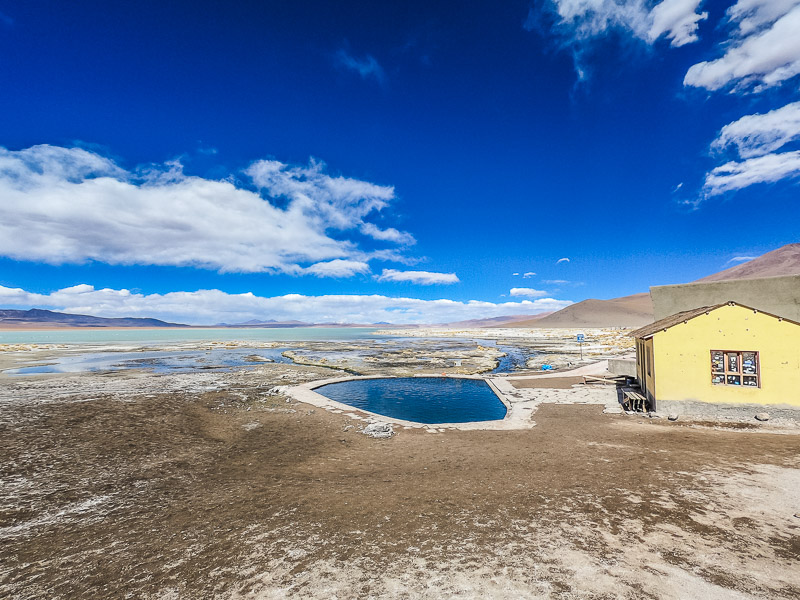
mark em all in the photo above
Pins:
pixel 215 484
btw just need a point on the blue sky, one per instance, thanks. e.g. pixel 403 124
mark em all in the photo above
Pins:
pixel 388 161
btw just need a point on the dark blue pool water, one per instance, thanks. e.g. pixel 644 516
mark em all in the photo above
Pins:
pixel 420 399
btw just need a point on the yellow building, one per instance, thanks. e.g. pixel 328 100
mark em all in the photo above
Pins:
pixel 725 354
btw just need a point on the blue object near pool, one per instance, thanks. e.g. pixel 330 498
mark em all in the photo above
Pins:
pixel 420 399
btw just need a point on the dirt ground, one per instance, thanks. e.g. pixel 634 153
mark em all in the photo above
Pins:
pixel 154 487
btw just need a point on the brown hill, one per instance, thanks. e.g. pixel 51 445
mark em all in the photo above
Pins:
pixel 495 321
pixel 637 310
pixel 628 311
pixel 783 261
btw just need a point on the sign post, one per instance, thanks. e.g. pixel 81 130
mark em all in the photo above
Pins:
pixel 580 341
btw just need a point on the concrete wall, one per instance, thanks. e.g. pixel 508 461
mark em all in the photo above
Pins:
pixel 682 357
pixel 776 295
pixel 622 366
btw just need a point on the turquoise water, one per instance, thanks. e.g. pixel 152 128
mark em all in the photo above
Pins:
pixel 294 334
pixel 182 361
pixel 420 399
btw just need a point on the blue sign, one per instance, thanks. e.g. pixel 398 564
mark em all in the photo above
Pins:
pixel 580 337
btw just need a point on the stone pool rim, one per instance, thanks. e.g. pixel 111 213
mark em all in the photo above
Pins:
pixel 306 393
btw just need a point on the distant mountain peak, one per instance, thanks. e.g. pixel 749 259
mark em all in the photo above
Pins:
pixel 782 261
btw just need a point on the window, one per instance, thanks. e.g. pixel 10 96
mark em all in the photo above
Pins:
pixel 730 367
pixel 649 360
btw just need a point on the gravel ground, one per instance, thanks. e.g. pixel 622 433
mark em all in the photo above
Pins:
pixel 211 485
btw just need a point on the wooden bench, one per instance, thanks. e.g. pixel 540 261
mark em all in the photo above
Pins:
pixel 633 400
pixel 595 379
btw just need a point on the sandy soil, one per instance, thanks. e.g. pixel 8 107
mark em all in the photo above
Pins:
pixel 211 485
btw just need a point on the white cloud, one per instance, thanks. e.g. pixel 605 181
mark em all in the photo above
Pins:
pixel 389 234
pixel 527 293
pixel 215 306
pixel 580 21
pixel 751 15
pixel 738 259
pixel 764 50
pixel 337 268
pixel 555 281
pixel 677 19
pixel 762 169
pixel 755 135
pixel 529 274
pixel 70 205
pixel 366 67
pixel 420 277
pixel 515 274
pixel 560 260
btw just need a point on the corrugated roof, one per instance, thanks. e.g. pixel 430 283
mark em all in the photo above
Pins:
pixel 667 322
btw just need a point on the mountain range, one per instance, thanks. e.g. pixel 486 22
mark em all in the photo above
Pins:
pixel 627 311
pixel 23 319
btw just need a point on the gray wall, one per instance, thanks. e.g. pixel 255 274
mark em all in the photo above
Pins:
pixel 777 295
pixel 622 366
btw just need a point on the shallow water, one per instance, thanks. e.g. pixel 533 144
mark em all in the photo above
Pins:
pixel 294 334
pixel 158 361
pixel 420 399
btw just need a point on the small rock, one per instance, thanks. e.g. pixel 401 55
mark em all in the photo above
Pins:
pixel 379 430
pixel 762 417
pixel 672 416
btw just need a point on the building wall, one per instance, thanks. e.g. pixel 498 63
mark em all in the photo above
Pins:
pixel 776 295
pixel 645 368
pixel 683 358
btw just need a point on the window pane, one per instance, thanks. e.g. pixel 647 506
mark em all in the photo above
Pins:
pixel 717 362
pixel 734 380
pixel 749 363
pixel 717 378
pixel 733 362
pixel 751 381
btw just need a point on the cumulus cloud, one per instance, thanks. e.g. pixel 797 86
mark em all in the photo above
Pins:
pixel 420 277
pixel 71 205
pixel 561 260
pixel 366 67
pixel 529 274
pixel 755 135
pixel 762 169
pixel 764 49
pixel 677 20
pixel 762 52
pixel 527 293
pixel 337 268
pixel 214 306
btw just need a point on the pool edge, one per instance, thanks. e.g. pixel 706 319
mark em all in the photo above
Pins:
pixel 514 419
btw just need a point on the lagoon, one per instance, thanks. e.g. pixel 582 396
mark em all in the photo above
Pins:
pixel 266 334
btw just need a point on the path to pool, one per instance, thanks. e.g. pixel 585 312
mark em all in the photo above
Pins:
pixel 521 404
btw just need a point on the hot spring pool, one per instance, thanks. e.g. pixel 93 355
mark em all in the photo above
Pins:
pixel 420 399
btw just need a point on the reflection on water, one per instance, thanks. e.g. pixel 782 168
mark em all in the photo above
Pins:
pixel 161 361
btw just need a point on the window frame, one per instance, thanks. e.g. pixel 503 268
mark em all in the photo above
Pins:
pixel 725 372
